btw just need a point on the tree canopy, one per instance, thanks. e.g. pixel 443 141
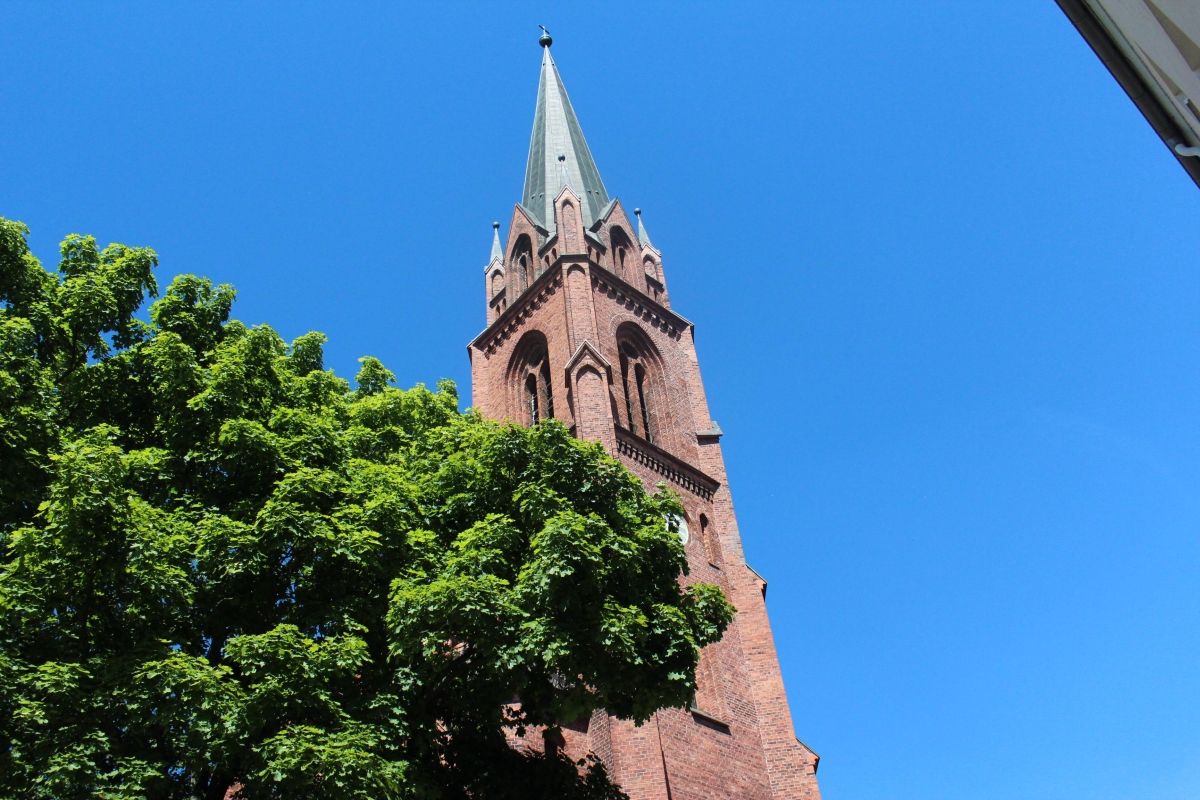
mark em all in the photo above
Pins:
pixel 225 571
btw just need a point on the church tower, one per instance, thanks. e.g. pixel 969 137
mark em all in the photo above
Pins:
pixel 580 328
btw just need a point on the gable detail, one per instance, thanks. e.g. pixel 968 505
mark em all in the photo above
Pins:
pixel 587 353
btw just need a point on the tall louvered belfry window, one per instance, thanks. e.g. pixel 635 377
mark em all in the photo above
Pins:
pixel 638 392
pixel 539 392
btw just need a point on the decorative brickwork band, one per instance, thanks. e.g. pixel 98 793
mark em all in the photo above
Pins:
pixel 513 319
pixel 665 464
pixel 657 315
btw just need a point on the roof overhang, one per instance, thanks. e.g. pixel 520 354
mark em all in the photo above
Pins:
pixel 1135 76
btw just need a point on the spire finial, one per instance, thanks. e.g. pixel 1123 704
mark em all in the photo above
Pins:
pixel 545 39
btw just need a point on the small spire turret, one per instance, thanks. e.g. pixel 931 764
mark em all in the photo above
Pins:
pixel 497 250
pixel 643 236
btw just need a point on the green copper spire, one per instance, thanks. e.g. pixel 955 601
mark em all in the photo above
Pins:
pixel 558 154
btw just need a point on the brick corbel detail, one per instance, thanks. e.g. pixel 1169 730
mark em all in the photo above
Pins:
pixel 589 374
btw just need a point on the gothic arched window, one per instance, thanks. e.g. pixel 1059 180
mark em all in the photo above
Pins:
pixel 522 261
pixel 638 393
pixel 622 251
pixel 530 376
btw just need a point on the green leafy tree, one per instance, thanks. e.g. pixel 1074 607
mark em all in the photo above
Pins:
pixel 226 573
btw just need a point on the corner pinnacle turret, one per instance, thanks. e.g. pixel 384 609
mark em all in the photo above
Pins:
pixel 643 236
pixel 558 153
pixel 497 250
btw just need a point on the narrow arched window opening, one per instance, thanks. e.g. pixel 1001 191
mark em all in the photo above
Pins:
pixel 531 399
pixel 529 374
pixel 621 248
pixel 631 419
pixel 708 537
pixel 546 390
pixel 522 262
pixel 639 373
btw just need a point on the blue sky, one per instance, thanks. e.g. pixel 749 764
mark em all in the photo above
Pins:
pixel 943 276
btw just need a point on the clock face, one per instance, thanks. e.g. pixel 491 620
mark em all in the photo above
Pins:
pixel 681 522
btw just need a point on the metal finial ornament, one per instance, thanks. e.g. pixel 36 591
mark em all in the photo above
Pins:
pixel 495 226
pixel 637 212
pixel 545 40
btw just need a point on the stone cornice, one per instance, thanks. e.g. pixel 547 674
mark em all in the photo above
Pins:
pixel 673 469
pixel 513 317
pixel 639 303
pixel 710 436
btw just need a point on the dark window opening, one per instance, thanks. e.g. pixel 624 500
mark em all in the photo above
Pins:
pixel 531 398
pixel 630 417
pixel 529 380
pixel 640 374
pixel 708 537
pixel 546 394
pixel 553 741
pixel 522 262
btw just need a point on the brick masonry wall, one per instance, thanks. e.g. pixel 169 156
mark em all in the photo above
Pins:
pixel 739 741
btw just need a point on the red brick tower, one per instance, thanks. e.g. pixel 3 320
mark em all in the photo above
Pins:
pixel 580 328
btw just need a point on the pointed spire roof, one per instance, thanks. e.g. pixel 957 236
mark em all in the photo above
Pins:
pixel 643 236
pixel 497 250
pixel 558 154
